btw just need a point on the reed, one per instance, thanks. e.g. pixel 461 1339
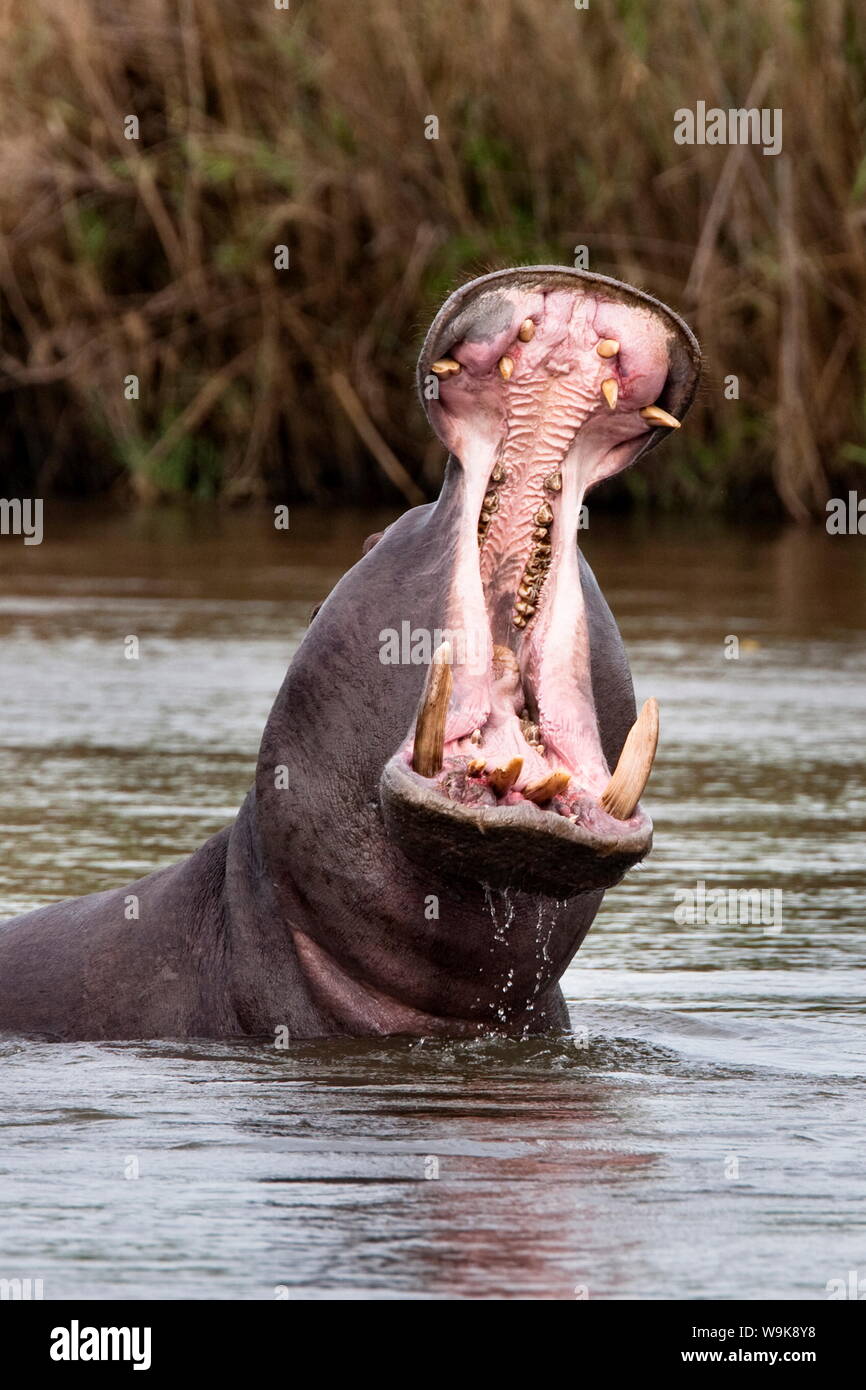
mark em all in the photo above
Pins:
pixel 261 127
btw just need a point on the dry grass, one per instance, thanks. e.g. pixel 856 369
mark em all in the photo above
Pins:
pixel 306 127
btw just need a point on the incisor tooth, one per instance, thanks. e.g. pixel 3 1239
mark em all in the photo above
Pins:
pixel 526 331
pixel 506 367
pixel 608 347
pixel 625 788
pixel 430 724
pixel 546 787
pixel 657 416
pixel 446 366
pixel 502 779
pixel 610 391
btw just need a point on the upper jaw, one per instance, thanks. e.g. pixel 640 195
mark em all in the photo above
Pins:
pixel 544 378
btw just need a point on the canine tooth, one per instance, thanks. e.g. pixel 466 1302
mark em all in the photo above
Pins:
pixel 657 416
pixel 506 367
pixel 430 724
pixel 546 787
pixel 554 482
pixel 544 515
pixel 446 366
pixel 625 788
pixel 610 391
pixel 608 347
pixel 502 779
pixel 476 766
pixel 526 331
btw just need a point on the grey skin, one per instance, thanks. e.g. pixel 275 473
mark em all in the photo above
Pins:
pixel 305 914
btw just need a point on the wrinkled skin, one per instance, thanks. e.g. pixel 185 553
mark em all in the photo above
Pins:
pixel 315 912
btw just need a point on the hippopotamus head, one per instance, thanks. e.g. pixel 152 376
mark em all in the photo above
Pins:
pixel 459 718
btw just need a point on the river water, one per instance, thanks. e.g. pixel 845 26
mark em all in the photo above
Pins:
pixel 700 1134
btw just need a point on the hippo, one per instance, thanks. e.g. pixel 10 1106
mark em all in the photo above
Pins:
pixel 450 777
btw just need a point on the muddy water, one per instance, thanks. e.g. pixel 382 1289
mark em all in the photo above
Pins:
pixel 701 1132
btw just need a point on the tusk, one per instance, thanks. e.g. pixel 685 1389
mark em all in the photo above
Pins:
pixel 476 767
pixel 502 779
pixel 446 366
pixel 430 724
pixel 610 391
pixel 626 786
pixel 546 787
pixel 506 367
pixel 608 347
pixel 657 416
pixel 526 331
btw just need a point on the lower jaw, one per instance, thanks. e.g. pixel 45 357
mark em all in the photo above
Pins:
pixel 516 846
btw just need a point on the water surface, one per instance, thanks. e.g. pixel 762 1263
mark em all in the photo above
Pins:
pixel 700 1134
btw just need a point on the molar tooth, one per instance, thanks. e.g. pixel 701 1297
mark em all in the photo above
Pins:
pixel 526 331
pixel 554 482
pixel 657 416
pixel 502 779
pixel 446 366
pixel 544 515
pixel 610 391
pixel 491 501
pixel 506 367
pixel 608 347
pixel 518 620
pixel 545 788
pixel 498 473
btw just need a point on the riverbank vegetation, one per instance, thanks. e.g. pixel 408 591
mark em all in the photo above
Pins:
pixel 154 257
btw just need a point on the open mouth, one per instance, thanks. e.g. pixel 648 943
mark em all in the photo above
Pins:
pixel 548 382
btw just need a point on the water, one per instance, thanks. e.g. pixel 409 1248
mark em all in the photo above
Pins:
pixel 699 1135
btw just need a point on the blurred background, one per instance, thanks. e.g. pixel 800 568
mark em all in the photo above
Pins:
pixel 305 127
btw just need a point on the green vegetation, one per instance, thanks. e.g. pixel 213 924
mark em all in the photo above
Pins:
pixel 306 127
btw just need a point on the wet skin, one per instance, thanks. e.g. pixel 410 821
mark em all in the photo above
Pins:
pixel 351 895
